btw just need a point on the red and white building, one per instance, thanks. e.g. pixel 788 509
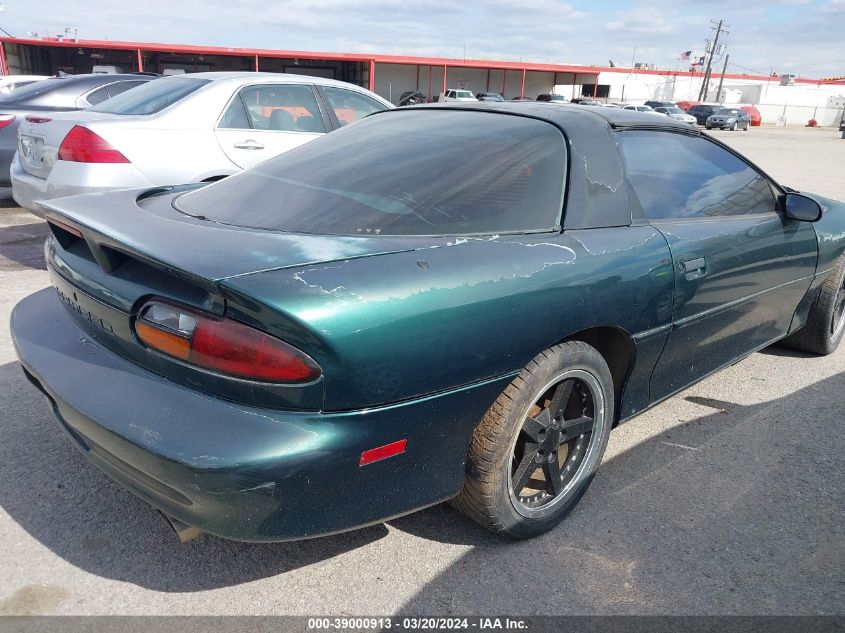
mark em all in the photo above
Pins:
pixel 391 75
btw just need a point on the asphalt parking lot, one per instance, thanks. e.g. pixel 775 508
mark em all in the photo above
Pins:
pixel 726 499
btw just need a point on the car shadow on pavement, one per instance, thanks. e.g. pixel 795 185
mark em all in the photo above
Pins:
pixel 738 511
pixel 69 506
pixel 21 246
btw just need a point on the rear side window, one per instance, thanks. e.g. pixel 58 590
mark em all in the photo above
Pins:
pixel 152 97
pixel 677 176
pixel 111 90
pixel 403 173
pixel 98 96
pixel 283 108
pixel 235 117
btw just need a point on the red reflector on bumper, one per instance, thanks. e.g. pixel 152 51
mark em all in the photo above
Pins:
pixel 382 452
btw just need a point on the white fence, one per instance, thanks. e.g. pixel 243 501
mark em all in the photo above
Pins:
pixel 780 114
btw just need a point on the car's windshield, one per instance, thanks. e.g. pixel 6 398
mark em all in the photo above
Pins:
pixel 728 112
pixel 152 97
pixel 402 173
pixel 673 110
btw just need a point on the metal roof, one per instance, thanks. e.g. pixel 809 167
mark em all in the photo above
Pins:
pixel 155 47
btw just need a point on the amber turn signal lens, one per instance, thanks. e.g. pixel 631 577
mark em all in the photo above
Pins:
pixel 165 342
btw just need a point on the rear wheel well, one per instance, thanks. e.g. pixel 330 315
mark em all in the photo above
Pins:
pixel 619 351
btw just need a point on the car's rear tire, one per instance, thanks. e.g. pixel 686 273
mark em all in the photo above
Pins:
pixel 709 127
pixel 733 127
pixel 539 445
pixel 825 327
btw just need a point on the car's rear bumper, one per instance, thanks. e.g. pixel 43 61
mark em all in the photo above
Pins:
pixel 237 471
pixel 69 179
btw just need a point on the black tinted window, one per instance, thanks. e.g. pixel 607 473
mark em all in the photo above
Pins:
pixel 402 173
pixel 152 97
pixel 680 176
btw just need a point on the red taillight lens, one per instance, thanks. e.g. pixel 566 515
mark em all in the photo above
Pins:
pixel 81 145
pixel 6 119
pixel 222 345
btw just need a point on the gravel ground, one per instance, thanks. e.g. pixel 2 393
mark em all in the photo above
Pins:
pixel 726 499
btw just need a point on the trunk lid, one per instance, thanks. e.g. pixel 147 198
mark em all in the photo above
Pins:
pixel 41 133
pixel 143 225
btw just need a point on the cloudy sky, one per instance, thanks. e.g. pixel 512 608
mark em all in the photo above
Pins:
pixel 806 37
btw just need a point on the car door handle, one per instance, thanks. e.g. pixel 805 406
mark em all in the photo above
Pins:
pixel 249 144
pixel 694 268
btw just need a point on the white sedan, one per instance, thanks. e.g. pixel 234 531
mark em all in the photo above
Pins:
pixel 181 129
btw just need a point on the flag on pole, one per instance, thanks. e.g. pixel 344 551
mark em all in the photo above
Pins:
pixel 698 61
pixel 685 55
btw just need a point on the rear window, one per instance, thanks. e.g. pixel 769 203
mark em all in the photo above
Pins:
pixel 152 97
pixel 33 90
pixel 418 172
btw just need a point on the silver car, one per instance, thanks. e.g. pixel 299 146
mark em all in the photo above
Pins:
pixel 181 129
pixel 676 113
pixel 728 119
pixel 65 93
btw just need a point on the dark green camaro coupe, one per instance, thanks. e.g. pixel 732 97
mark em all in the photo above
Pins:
pixel 434 303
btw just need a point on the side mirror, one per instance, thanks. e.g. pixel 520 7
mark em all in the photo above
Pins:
pixel 802 208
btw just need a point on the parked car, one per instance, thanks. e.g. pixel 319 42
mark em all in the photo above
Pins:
pixel 639 108
pixel 841 123
pixel 728 119
pixel 352 331
pixel 551 97
pixel 521 98
pixel 457 95
pixel 674 112
pixel 489 96
pixel 10 83
pixel 185 128
pixel 587 101
pixel 702 111
pixel 412 97
pixel 660 104
pixel 753 115
pixel 63 93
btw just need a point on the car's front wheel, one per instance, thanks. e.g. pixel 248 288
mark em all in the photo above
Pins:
pixel 825 327
pixel 538 447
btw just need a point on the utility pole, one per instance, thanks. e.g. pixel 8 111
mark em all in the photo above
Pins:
pixel 721 79
pixel 714 50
